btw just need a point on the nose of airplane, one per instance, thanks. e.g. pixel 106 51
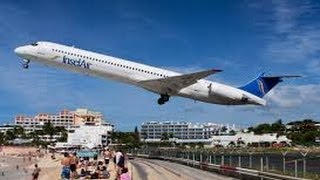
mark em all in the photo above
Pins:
pixel 19 50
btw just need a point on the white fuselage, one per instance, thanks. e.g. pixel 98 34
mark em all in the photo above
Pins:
pixel 109 67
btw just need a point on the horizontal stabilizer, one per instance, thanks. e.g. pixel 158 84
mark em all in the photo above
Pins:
pixel 263 84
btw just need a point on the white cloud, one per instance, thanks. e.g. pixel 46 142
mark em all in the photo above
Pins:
pixel 295 96
pixel 300 46
pixel 295 41
pixel 285 15
pixel 295 36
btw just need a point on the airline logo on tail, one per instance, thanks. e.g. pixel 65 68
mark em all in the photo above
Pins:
pixel 261 87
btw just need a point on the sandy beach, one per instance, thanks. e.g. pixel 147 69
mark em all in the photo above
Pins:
pixel 13 157
pixel 16 162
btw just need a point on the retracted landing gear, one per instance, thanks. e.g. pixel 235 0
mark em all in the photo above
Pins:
pixel 25 63
pixel 163 99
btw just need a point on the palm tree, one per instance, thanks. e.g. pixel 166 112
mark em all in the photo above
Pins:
pixel 64 134
pixel 35 137
pixel 136 133
pixel 144 135
pixel 164 136
pixel 10 135
pixel 170 135
pixel 49 129
pixel 19 130
pixel 2 138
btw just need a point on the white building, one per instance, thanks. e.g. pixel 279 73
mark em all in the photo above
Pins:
pixel 242 139
pixel 249 138
pixel 153 130
pixel 91 136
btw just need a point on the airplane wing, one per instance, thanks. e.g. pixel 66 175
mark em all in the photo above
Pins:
pixel 173 84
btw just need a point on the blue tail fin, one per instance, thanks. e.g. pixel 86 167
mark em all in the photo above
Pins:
pixel 263 84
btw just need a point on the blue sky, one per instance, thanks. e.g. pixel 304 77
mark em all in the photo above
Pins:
pixel 244 38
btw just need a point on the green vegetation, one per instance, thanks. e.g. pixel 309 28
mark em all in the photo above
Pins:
pixel 129 140
pixel 165 136
pixel 302 132
pixel 276 127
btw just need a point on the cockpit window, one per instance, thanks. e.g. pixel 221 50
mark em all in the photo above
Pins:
pixel 34 44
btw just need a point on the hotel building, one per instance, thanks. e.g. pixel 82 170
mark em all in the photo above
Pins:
pixel 79 124
pixel 65 118
pixel 182 130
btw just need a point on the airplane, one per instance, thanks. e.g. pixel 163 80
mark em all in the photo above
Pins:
pixel 164 82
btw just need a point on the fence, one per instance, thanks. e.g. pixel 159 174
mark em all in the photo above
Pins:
pixel 240 162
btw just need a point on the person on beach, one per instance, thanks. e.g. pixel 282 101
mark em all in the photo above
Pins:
pixel 125 174
pixel 36 172
pixel 95 160
pixel 53 156
pixel 96 174
pixel 65 162
pixel 104 173
pixel 113 155
pixel 73 161
pixel 74 175
pixel 83 174
pixel 119 158
pixel 107 156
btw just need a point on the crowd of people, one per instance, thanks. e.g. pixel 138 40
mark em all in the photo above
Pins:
pixel 74 167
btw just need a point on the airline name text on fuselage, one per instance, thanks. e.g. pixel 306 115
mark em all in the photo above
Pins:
pixel 77 63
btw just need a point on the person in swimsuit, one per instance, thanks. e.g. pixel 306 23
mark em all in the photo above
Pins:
pixel 65 162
